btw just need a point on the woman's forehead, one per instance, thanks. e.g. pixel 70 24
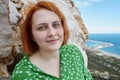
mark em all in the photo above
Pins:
pixel 44 15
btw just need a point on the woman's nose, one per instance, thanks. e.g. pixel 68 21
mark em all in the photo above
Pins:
pixel 51 31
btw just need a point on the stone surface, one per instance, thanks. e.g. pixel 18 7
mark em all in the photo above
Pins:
pixel 6 39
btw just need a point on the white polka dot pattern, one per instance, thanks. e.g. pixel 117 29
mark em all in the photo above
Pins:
pixel 71 67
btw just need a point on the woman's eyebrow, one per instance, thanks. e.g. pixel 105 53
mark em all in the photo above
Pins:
pixel 56 21
pixel 46 23
pixel 41 24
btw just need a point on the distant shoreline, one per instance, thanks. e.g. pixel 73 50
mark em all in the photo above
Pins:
pixel 103 45
pixel 99 52
pixel 108 54
pixel 100 44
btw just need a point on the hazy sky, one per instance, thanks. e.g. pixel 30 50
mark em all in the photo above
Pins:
pixel 100 16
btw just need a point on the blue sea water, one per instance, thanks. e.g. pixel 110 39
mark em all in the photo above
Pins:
pixel 109 38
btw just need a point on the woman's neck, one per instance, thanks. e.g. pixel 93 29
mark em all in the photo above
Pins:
pixel 48 55
pixel 49 62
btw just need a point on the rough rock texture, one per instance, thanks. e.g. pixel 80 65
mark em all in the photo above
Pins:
pixel 13 14
pixel 6 40
pixel 5 31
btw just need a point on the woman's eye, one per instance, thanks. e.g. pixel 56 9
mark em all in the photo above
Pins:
pixel 41 28
pixel 56 25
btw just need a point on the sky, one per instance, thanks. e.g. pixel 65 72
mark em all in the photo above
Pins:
pixel 100 16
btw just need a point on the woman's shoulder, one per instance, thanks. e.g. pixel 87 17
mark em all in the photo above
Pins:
pixel 70 47
pixel 71 51
pixel 21 64
pixel 23 61
pixel 20 69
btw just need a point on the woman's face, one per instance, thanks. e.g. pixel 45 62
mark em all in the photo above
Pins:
pixel 47 30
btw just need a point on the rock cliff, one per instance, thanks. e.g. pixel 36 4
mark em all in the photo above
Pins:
pixel 12 14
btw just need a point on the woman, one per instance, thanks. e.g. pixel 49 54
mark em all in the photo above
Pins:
pixel 48 57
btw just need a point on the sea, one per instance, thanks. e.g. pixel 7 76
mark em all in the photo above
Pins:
pixel 112 38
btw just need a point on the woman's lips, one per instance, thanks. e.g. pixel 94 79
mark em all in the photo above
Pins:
pixel 53 41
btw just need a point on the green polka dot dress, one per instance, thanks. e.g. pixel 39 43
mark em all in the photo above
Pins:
pixel 71 67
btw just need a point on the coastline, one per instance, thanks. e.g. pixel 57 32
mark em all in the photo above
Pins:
pixel 98 45
pixel 103 65
pixel 108 54
pixel 99 52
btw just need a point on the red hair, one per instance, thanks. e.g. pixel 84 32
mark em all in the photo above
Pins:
pixel 29 46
